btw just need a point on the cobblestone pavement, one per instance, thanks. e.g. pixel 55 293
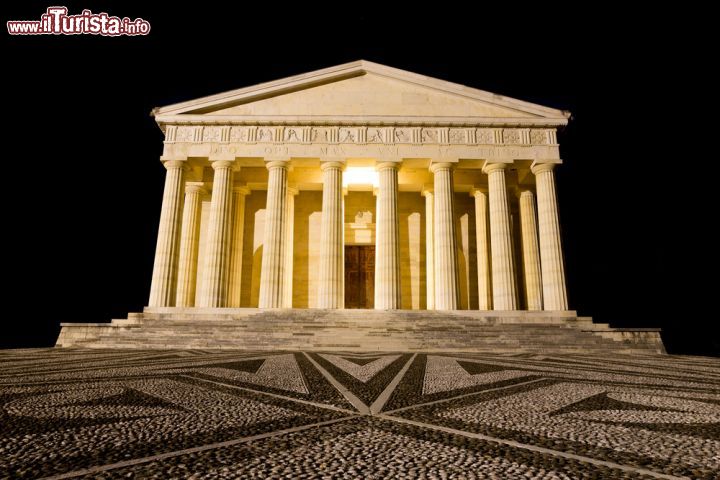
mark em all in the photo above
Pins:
pixel 208 414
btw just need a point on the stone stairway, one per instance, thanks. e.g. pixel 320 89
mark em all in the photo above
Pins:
pixel 360 330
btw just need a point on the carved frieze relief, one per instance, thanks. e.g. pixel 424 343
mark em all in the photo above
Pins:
pixel 429 135
pixel 211 134
pixel 359 135
pixel 538 137
pixel 185 134
pixel 375 135
pixel 484 136
pixel 511 136
pixel 457 136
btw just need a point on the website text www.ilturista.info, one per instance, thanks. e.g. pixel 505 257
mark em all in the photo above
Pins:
pixel 56 21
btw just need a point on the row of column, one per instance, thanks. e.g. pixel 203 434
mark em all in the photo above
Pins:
pixel 176 260
pixel 542 260
pixel 175 268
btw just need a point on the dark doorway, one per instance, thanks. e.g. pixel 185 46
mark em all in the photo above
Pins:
pixel 359 276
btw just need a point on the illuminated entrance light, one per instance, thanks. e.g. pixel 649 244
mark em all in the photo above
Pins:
pixel 360 176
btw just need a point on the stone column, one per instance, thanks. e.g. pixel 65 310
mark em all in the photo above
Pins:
pixel 446 271
pixel 551 255
pixel 214 291
pixel 387 256
pixel 187 270
pixel 530 251
pixel 164 279
pixel 289 247
pixel 236 248
pixel 503 278
pixel 482 237
pixel 272 275
pixel 429 247
pixel 331 288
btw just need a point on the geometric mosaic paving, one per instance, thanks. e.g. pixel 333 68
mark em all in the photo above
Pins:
pixel 221 414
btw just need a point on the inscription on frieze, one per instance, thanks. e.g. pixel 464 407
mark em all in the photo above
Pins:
pixel 276 151
pixel 333 151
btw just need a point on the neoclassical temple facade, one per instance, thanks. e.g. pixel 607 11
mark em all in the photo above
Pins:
pixel 360 186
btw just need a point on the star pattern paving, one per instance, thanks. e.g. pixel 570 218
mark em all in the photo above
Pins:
pixel 68 413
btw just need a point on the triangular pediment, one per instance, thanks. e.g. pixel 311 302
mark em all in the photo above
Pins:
pixel 360 90
pixel 371 95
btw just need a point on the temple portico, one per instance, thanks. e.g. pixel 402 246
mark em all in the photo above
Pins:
pixel 443 198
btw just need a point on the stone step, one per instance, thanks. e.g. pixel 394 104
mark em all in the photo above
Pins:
pixel 370 330
pixel 383 322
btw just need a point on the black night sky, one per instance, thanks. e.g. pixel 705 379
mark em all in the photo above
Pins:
pixel 84 185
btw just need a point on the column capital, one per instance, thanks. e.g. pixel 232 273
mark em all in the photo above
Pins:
pixel 272 164
pixel 215 164
pixel 493 167
pixel 292 190
pixel 427 191
pixel 380 166
pixel 478 191
pixel 435 166
pixel 170 164
pixel 526 193
pixel 325 164
pixel 196 187
pixel 242 190
pixel 542 167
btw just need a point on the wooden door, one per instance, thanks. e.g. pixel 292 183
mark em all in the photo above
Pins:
pixel 359 276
